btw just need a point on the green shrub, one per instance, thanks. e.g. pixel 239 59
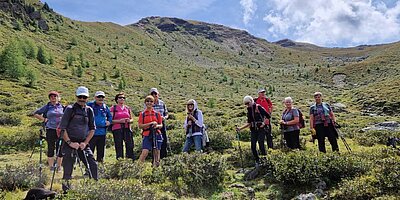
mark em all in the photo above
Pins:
pixel 358 188
pixel 22 177
pixel 370 138
pixel 9 119
pixel 196 174
pixel 20 141
pixel 388 175
pixel 302 168
pixel 122 169
pixel 220 139
pixel 111 189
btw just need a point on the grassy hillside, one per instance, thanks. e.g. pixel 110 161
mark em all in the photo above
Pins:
pixel 214 64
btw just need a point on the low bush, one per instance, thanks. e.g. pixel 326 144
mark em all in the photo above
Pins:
pixel 111 189
pixel 388 175
pixel 220 139
pixel 122 169
pixel 302 168
pixel 7 119
pixel 22 177
pixel 370 138
pixel 358 188
pixel 196 174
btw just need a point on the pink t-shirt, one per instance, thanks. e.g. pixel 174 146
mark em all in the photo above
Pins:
pixel 120 113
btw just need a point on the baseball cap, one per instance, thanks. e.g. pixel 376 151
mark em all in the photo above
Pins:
pixel 54 92
pixel 154 90
pixel 99 93
pixel 261 90
pixel 82 91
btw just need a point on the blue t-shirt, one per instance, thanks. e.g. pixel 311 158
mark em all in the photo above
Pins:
pixel 320 112
pixel 101 115
pixel 289 116
pixel 53 115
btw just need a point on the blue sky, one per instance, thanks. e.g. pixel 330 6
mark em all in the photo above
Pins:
pixel 330 23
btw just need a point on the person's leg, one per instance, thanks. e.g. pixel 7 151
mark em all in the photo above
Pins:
pixel 163 150
pixel 254 137
pixel 332 137
pixel 93 143
pixel 68 162
pixel 198 143
pixel 101 145
pixel 143 155
pixel 146 147
pixel 289 139
pixel 296 139
pixel 269 137
pixel 129 143
pixel 188 144
pixel 320 130
pixel 51 139
pixel 118 143
pixel 261 140
pixel 92 162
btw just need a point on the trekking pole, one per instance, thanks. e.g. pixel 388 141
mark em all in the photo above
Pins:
pixel 85 155
pixel 60 139
pixel 240 148
pixel 337 126
pixel 77 160
pixel 283 141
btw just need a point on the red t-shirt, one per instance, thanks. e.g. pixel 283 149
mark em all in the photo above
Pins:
pixel 149 116
pixel 265 103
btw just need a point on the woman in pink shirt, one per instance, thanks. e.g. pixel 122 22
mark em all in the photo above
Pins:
pixel 121 128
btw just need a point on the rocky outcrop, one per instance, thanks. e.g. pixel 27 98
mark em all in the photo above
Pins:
pixel 383 126
pixel 27 14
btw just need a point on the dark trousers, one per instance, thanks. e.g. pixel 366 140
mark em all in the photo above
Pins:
pixel 258 136
pixel 99 142
pixel 292 139
pixel 326 131
pixel 70 158
pixel 269 137
pixel 163 150
pixel 121 136
pixel 52 142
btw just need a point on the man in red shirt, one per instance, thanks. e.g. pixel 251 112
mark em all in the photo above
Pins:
pixel 266 103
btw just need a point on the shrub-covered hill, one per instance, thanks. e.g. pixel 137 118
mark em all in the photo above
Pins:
pixel 41 50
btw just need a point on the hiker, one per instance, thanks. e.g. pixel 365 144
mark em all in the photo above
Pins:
pixel 266 103
pixel 150 121
pixel 102 118
pixel 50 114
pixel 77 127
pixel 121 129
pixel 193 126
pixel 159 106
pixel 289 124
pixel 322 121
pixel 255 120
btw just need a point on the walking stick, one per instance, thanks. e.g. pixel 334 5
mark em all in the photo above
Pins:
pixel 78 160
pixel 337 126
pixel 41 137
pixel 240 148
pixel 85 155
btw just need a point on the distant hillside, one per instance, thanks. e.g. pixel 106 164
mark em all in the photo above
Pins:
pixel 185 59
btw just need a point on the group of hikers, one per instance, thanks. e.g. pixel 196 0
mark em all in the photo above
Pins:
pixel 81 128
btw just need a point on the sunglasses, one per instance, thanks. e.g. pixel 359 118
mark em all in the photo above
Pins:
pixel 82 97
pixel 121 97
pixel 53 95
pixel 102 97
pixel 190 105
pixel 247 103
pixel 149 101
pixel 154 93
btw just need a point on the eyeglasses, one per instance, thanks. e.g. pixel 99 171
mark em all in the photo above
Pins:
pixel 82 97
pixel 121 98
pixel 53 95
pixel 247 103
pixel 190 105
pixel 154 93
pixel 149 101
pixel 102 97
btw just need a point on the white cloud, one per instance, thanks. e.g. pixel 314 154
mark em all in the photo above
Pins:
pixel 250 8
pixel 334 22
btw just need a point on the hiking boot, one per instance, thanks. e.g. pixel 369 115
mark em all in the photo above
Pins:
pixel 258 164
pixel 66 185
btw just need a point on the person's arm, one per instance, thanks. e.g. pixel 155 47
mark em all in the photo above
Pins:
pixel 63 126
pixel 311 121
pixel 165 112
pixel 264 112
pixel 199 121
pixel 92 127
pixel 295 118
pixel 109 116
pixel 159 121
pixel 141 123
pixel 243 127
pixel 38 114
pixel 270 107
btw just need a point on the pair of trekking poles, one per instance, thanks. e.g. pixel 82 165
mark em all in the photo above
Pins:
pixel 42 136
pixel 77 160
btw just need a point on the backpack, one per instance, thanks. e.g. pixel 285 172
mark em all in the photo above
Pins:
pixel 109 128
pixel 205 138
pixel 144 116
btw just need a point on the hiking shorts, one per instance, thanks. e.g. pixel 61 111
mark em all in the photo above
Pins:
pixel 147 142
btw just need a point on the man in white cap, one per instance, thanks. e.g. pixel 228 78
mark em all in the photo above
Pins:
pixel 266 103
pixel 159 106
pixel 77 128
pixel 102 118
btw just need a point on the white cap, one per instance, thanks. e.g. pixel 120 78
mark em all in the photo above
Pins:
pixel 154 90
pixel 82 91
pixel 317 93
pixel 261 90
pixel 99 93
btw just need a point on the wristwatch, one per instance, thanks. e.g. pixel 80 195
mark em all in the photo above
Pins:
pixel 68 142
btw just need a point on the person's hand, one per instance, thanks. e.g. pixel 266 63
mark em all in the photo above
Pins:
pixel 74 145
pixel 45 120
pixel 281 122
pixel 237 129
pixel 107 123
pixel 312 131
pixel 82 145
